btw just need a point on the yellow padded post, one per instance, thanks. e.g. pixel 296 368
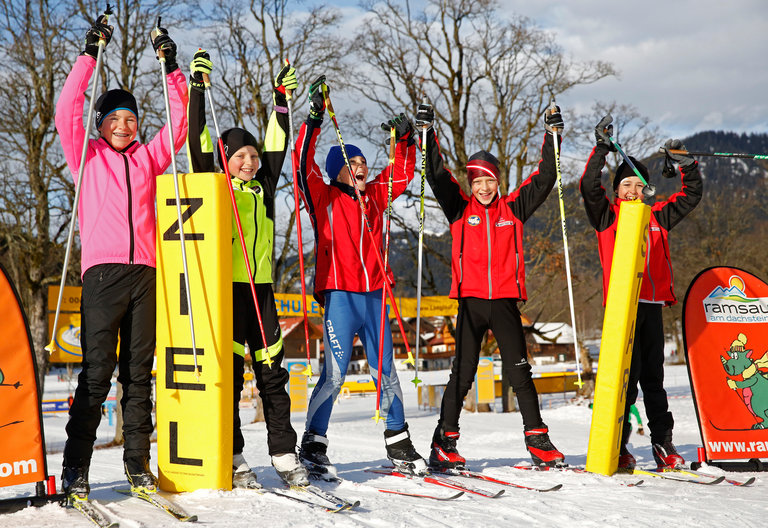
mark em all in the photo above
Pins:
pixel 617 338
pixel 194 410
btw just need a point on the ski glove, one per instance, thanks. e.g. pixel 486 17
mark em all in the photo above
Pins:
pixel 285 80
pixel 162 42
pixel 316 99
pixel 425 116
pixel 201 64
pixel 99 30
pixel 553 120
pixel 604 132
pixel 685 161
pixel 402 125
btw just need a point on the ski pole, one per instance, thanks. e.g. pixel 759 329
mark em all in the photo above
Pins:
pixel 239 225
pixel 416 379
pixel 650 189
pixel 715 154
pixel 579 382
pixel 391 167
pixel 161 57
pixel 379 260
pixel 297 207
pixel 51 348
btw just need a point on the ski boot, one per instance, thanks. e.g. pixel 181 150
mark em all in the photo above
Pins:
pixel 444 454
pixel 543 452
pixel 139 475
pixel 290 469
pixel 74 482
pixel 402 454
pixel 313 455
pixel 243 476
pixel 666 456
pixel 627 462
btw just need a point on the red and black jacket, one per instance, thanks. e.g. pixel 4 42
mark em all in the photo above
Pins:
pixel 657 285
pixel 487 251
pixel 345 257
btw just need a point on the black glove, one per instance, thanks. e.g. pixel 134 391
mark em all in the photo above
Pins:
pixel 201 64
pixel 553 120
pixel 425 116
pixel 99 30
pixel 685 161
pixel 316 99
pixel 603 130
pixel 162 42
pixel 402 125
pixel 285 80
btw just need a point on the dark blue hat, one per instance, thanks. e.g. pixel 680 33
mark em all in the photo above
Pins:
pixel 112 101
pixel 334 162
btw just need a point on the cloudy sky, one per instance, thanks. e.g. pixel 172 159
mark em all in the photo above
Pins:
pixel 688 65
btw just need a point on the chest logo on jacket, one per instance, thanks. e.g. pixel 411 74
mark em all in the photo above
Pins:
pixel 473 220
pixel 503 223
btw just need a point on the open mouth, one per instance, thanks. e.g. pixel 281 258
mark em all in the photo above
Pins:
pixel 360 177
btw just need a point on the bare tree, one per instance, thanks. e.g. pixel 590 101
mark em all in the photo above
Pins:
pixel 254 39
pixel 33 213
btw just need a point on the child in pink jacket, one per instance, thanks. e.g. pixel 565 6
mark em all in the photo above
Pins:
pixel 117 233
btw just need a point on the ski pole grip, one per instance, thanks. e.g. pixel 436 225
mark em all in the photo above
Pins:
pixel 206 79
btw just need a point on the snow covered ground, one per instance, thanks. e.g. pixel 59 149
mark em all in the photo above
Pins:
pixel 490 441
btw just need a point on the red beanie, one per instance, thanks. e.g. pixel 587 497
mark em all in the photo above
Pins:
pixel 482 164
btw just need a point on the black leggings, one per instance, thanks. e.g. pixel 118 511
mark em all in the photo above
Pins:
pixel 116 298
pixel 648 369
pixel 476 316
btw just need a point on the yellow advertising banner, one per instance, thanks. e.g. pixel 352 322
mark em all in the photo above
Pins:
pixel 484 381
pixel 193 400
pixel 297 385
pixel 289 305
pixel 617 338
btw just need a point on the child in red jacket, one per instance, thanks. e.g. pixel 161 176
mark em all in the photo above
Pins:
pixel 488 279
pixel 656 290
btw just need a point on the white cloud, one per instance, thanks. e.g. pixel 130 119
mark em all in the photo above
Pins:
pixel 688 65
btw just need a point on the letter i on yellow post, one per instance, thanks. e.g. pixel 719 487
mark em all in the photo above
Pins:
pixel 194 409
pixel 617 338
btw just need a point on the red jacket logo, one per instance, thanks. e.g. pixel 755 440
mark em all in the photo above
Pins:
pixel 473 220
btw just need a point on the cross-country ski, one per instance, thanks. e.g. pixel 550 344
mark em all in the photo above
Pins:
pixel 386 263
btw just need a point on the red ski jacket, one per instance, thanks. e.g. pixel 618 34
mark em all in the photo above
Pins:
pixel 345 257
pixel 487 250
pixel 658 284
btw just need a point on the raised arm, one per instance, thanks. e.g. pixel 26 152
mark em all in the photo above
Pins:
pixel 680 204
pixel 596 201
pixel 158 147
pixel 200 149
pixel 275 141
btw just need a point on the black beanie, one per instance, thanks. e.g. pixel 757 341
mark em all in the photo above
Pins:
pixel 234 139
pixel 625 171
pixel 113 100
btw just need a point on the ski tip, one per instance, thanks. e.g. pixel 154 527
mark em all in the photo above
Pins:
pixel 553 488
pixel 191 518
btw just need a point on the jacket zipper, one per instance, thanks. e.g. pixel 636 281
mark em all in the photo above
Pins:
pixel 488 233
pixel 130 208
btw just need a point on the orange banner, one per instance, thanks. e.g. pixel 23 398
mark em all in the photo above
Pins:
pixel 22 452
pixel 725 320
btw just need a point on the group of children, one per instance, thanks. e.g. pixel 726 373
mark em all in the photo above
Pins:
pixel 117 226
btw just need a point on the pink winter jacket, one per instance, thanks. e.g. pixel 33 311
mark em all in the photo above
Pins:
pixel 117 195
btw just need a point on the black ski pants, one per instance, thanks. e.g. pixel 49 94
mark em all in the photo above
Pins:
pixel 502 317
pixel 271 381
pixel 648 369
pixel 116 299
